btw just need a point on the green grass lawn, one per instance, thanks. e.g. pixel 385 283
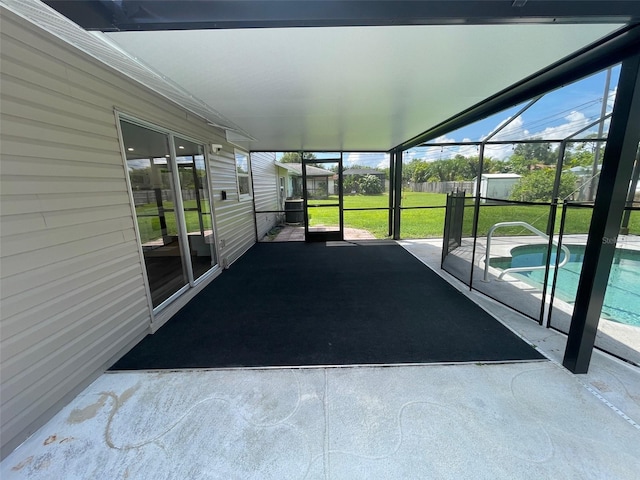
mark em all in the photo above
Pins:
pixel 149 222
pixel 415 223
pixel 427 223
pixel 419 223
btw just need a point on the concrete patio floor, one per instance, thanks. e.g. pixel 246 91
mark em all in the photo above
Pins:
pixel 295 233
pixel 499 421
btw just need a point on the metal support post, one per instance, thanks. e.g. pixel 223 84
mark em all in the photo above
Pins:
pixel 397 199
pixel 476 211
pixel 617 166
pixel 392 189
pixel 624 228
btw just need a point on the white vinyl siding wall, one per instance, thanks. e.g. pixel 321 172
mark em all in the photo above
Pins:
pixel 72 289
pixel 234 216
pixel 265 190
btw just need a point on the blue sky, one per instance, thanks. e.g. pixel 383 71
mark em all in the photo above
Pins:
pixel 555 116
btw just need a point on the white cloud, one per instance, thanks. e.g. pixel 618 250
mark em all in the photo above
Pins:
pixel 515 129
pixel 366 159
pixel 611 98
pixel 444 139
pixel 574 122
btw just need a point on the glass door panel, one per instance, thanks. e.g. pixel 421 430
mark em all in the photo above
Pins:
pixel 152 186
pixel 196 204
pixel 322 185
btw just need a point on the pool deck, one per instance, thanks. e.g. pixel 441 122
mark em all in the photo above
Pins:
pixel 615 337
pixel 525 420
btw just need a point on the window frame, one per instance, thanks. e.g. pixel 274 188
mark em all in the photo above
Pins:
pixel 156 318
pixel 249 195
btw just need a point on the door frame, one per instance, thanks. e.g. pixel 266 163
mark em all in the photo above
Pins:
pixel 317 236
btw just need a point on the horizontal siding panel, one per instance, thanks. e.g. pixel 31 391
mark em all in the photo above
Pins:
pixel 84 216
pixel 28 57
pixel 234 218
pixel 20 244
pixel 70 200
pixel 18 224
pixel 43 223
pixel 26 280
pixel 36 203
pixel 71 339
pixel 21 184
pixel 92 84
pixel 19 204
pixel 15 68
pixel 24 308
pixel 231 227
pixel 59 168
pixel 34 148
pixel 265 222
pixel 57 381
pixel 38 41
pixel 70 293
pixel 265 190
pixel 65 327
pixel 20 128
pixel 18 88
pixel 50 115
pixel 131 97
pixel 56 253
pixel 238 250
pixel 101 111
pixel 71 57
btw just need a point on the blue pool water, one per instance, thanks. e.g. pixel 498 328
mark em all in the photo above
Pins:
pixel 622 298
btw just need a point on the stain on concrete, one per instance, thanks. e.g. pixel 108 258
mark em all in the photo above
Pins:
pixel 23 464
pixel 79 415
pixel 602 386
pixel 50 440
pixel 128 393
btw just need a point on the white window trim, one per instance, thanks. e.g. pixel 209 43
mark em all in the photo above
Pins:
pixel 243 196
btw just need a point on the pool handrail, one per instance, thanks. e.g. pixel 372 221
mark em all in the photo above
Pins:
pixel 532 229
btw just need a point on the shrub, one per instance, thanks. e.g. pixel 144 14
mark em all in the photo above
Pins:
pixel 370 185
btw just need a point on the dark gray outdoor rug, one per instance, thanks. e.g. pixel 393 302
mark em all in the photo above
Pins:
pixel 291 304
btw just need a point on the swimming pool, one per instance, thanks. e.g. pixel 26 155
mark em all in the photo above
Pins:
pixel 622 298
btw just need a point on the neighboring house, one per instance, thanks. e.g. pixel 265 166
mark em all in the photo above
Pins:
pixel 320 182
pixel 497 185
pixel 357 173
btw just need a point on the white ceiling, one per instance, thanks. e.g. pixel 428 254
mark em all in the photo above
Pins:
pixel 350 88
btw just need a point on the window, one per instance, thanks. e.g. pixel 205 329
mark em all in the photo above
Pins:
pixel 242 174
pixel 176 230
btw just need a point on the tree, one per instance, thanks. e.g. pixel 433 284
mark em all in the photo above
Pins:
pixel 579 157
pixel 489 165
pixel 538 152
pixel 528 156
pixel 408 170
pixel 295 157
pixel 370 185
pixel 421 172
pixel 350 184
pixel 537 186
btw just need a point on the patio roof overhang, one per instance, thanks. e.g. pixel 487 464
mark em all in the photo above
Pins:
pixel 375 77
pixel 124 15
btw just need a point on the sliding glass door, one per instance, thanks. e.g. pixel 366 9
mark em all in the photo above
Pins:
pixel 196 205
pixel 170 190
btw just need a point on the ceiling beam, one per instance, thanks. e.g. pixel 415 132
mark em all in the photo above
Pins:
pixel 127 15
